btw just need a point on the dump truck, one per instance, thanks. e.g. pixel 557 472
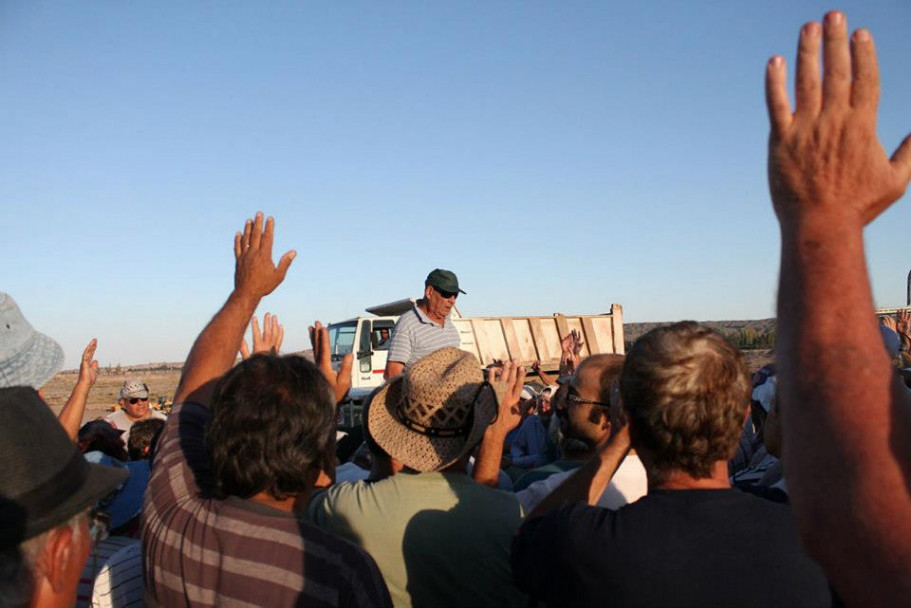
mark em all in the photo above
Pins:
pixel 526 339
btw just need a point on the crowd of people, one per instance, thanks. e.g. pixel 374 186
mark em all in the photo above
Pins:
pixel 663 477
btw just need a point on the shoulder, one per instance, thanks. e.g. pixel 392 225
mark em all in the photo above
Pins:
pixel 407 319
pixel 115 418
pixel 347 498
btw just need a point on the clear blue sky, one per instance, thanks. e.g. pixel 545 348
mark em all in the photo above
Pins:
pixel 558 156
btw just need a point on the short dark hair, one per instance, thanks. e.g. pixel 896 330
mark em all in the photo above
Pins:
pixel 686 390
pixel 142 435
pixel 272 420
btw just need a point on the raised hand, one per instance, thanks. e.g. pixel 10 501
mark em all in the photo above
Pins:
pixel 88 366
pixel 904 323
pixel 71 415
pixel 322 353
pixel 255 274
pixel 889 321
pixel 507 382
pixel 570 346
pixel 825 160
pixel 268 341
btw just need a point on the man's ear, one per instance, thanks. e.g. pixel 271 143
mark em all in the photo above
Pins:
pixel 57 556
pixel 427 290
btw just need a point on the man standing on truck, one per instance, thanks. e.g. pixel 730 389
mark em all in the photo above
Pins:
pixel 426 327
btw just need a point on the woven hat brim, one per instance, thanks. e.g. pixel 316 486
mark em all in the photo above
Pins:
pixel 34 366
pixel 415 450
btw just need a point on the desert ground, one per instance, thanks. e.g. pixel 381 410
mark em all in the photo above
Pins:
pixel 162 383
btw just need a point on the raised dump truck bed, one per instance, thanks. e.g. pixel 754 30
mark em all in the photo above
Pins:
pixel 530 339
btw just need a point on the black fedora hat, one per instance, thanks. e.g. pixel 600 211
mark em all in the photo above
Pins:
pixel 46 480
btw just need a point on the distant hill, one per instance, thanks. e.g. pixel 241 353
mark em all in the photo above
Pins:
pixel 729 329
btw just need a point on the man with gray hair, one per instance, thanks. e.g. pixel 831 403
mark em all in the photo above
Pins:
pixel 683 400
pixel 427 326
pixel 46 491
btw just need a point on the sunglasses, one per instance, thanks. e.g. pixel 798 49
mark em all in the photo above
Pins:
pixel 572 397
pixel 135 400
pixel 446 294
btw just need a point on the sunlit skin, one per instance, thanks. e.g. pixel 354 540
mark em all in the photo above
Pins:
pixel 138 411
pixel 579 420
pixel 435 306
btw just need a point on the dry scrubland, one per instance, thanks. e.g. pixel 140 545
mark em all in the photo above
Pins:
pixel 163 382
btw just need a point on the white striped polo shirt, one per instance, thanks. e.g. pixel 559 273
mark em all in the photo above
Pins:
pixel 415 336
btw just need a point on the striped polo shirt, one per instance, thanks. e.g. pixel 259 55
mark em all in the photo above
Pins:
pixel 203 552
pixel 415 336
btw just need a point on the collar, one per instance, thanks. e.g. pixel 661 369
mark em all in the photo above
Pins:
pixel 423 318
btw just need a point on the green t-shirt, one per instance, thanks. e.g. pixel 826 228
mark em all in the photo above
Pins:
pixel 440 539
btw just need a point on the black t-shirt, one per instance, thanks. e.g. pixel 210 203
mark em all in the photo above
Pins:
pixel 669 548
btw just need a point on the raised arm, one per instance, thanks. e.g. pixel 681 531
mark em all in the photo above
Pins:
pixel 846 420
pixel 71 414
pixel 255 276
pixel 507 381
pixel 590 481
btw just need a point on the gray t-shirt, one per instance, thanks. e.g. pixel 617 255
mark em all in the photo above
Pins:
pixel 415 336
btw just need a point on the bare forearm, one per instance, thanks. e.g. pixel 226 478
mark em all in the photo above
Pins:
pixel 487 466
pixel 393 369
pixel 71 415
pixel 215 350
pixel 547 378
pixel 589 482
pixel 843 418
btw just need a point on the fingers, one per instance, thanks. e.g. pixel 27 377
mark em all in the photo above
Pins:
pixel 248 234
pixel 806 86
pixel 244 350
pixel 509 372
pixel 901 163
pixel 865 89
pixel 279 337
pixel 89 351
pixel 776 96
pixel 343 379
pixel 257 334
pixel 520 378
pixel 273 334
pixel 836 84
pixel 321 350
pixel 238 246
pixel 284 264
pixel 257 235
pixel 268 235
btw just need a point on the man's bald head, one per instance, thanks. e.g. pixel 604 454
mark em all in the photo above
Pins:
pixel 598 373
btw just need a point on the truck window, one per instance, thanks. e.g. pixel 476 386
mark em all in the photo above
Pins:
pixel 341 338
pixel 382 334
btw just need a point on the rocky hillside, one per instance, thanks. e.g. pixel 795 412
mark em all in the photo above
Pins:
pixel 632 331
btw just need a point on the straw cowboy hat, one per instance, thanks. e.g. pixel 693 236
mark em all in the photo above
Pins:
pixel 435 412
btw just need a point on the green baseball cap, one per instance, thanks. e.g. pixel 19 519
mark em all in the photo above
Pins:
pixel 444 280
